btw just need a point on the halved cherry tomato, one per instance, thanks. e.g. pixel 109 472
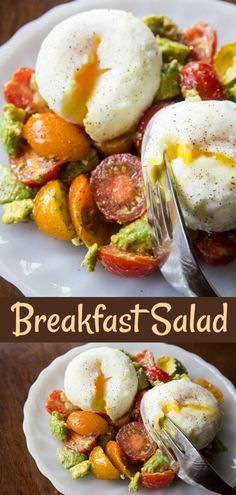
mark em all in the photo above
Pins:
pixel 122 144
pixel 86 218
pixel 216 248
pixel 156 480
pixel 152 371
pixel 87 423
pixel 54 402
pixel 201 39
pixel 51 213
pixel 135 443
pixel 212 388
pixel 136 415
pixel 126 264
pixel 150 112
pixel 19 90
pixel 80 443
pixel 53 137
pixel 118 188
pixel 34 170
pixel 117 458
pixel 201 77
pixel 101 465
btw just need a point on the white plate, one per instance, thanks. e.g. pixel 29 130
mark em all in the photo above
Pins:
pixel 41 266
pixel 42 446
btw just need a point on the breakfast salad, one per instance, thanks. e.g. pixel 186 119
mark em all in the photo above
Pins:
pixel 98 421
pixel 73 131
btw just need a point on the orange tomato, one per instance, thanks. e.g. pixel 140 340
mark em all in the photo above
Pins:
pixel 87 220
pixel 53 137
pixel 122 421
pixel 51 213
pixel 101 466
pixel 123 144
pixel 115 455
pixel 87 423
pixel 212 388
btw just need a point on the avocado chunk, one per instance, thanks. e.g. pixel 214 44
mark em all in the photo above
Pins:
pixel 10 188
pixel 80 470
pixel 103 439
pixel 164 27
pixel 68 458
pixel 73 169
pixel 231 88
pixel 172 50
pixel 58 426
pixel 90 259
pixel 156 464
pixel 136 237
pixel 133 485
pixel 169 84
pixel 18 211
pixel 11 126
pixel 142 379
pixel 172 366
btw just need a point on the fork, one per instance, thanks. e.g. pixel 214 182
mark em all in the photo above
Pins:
pixel 184 459
pixel 173 246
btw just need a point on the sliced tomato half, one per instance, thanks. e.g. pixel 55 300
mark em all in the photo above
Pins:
pixel 153 372
pixel 118 188
pixel 135 442
pixel 202 40
pixel 216 248
pixel 201 77
pixel 126 264
pixel 80 443
pixel 156 480
pixel 19 91
pixel 34 170
pixel 54 403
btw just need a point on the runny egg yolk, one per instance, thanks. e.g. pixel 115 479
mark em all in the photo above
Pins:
pixel 74 105
pixel 177 408
pixel 99 403
pixel 188 154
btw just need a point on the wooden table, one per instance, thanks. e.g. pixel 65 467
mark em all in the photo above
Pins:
pixel 20 365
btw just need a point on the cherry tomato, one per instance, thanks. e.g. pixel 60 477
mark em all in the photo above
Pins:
pixel 202 40
pixel 156 480
pixel 19 90
pixel 136 415
pixel 200 76
pixel 34 170
pixel 125 263
pixel 153 372
pixel 86 218
pixel 135 442
pixel 118 188
pixel 145 358
pixel 54 402
pixel 150 112
pixel 80 443
pixel 101 466
pixel 216 248
pixel 53 137
pixel 87 423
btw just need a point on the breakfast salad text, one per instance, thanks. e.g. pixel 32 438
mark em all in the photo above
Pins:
pixel 73 130
pixel 99 422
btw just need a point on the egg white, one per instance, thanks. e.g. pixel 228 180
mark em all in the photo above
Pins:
pixel 127 48
pixel 117 368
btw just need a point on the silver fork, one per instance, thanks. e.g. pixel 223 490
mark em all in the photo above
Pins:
pixel 173 246
pixel 184 459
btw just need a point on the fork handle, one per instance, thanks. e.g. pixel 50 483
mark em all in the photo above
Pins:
pixel 212 481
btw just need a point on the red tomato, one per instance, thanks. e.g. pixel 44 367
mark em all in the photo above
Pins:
pixel 19 91
pixel 150 112
pixel 80 443
pixel 202 40
pixel 136 415
pixel 126 264
pixel 55 403
pixel 146 358
pixel 200 76
pixel 118 188
pixel 153 372
pixel 156 480
pixel 216 248
pixel 135 442
pixel 34 170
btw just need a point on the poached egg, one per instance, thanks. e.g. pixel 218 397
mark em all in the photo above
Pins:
pixel 191 407
pixel 199 138
pixel 99 69
pixel 102 380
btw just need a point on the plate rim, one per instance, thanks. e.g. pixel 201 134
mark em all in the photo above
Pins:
pixel 77 350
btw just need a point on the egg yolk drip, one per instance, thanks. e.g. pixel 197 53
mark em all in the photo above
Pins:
pixel 177 408
pixel 188 154
pixel 99 403
pixel 74 105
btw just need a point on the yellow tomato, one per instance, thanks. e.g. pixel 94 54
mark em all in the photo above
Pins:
pixel 101 466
